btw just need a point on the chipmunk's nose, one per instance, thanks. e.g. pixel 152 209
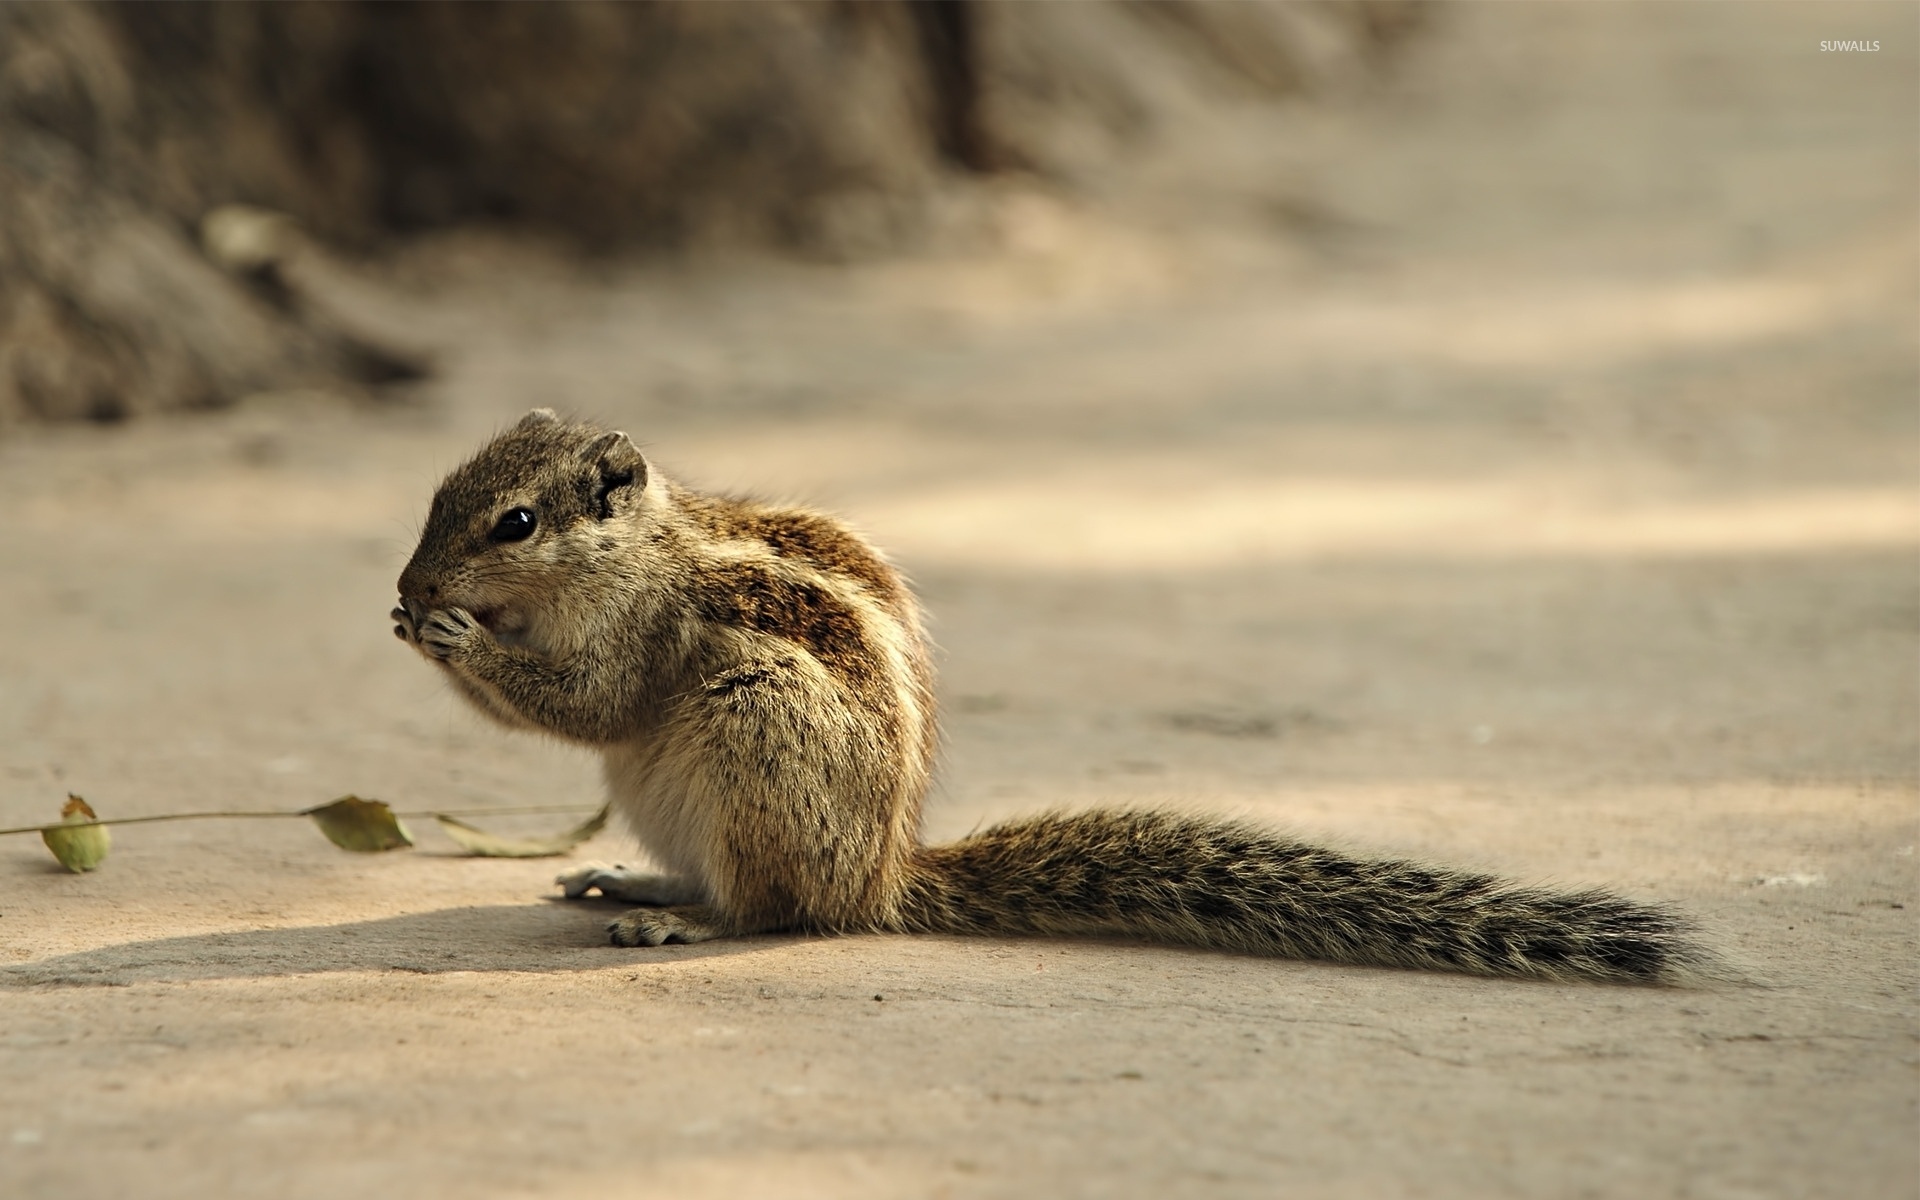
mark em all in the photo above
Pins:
pixel 416 584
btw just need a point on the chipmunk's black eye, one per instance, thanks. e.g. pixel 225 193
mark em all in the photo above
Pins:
pixel 514 525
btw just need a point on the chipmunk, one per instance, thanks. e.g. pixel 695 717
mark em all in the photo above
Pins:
pixel 757 683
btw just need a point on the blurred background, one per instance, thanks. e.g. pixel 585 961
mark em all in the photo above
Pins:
pixel 818 128
pixel 1480 431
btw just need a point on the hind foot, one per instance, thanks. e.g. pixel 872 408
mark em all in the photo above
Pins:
pixel 618 882
pixel 658 926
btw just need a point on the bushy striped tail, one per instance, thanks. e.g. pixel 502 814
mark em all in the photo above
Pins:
pixel 1168 878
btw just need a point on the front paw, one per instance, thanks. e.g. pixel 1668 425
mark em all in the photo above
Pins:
pixel 404 626
pixel 447 634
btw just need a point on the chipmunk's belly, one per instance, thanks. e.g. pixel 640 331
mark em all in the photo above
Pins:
pixel 660 811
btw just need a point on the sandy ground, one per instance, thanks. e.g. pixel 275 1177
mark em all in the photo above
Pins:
pixel 1517 467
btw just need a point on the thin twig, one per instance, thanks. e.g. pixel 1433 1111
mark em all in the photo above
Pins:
pixel 144 820
pixel 522 810
pixel 202 816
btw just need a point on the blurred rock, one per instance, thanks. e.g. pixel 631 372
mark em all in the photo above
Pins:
pixel 816 125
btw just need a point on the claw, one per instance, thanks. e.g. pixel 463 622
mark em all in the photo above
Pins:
pixel 405 628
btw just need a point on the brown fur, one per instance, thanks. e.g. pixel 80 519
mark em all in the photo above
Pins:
pixel 757 682
pixel 751 597
pixel 795 533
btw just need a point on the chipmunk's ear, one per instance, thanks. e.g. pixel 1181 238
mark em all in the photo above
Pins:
pixel 617 474
pixel 538 417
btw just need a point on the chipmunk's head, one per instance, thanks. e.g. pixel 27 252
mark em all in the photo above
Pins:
pixel 515 531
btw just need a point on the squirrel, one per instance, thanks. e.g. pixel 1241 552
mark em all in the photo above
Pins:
pixel 757 682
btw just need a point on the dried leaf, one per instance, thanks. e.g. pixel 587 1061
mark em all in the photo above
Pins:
pixel 487 845
pixel 80 845
pixel 363 826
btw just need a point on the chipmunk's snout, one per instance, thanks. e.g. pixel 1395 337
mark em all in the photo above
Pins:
pixel 416 585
